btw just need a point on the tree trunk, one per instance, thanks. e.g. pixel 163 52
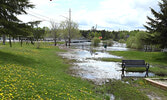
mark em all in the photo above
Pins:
pixel 69 41
pixel 10 41
pixel 21 42
pixel 38 44
pixel 55 42
pixel 66 42
pixel 31 39
pixel 4 39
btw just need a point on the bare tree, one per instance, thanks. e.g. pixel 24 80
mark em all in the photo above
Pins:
pixel 55 31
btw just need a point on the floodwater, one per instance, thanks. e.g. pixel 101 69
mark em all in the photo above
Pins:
pixel 86 46
pixel 88 65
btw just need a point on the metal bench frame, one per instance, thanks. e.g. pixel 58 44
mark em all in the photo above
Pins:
pixel 134 63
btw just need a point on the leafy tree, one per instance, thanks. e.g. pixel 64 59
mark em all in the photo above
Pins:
pixel 64 27
pixel 64 31
pixel 137 41
pixel 9 10
pixel 157 26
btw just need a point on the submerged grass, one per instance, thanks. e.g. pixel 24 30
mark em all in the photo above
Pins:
pixel 30 73
pixel 157 59
pixel 111 59
pixel 133 89
pixel 123 91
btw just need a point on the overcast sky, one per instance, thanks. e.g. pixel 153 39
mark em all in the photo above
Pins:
pixel 107 14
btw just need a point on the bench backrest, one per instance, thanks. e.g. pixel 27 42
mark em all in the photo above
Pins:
pixel 133 62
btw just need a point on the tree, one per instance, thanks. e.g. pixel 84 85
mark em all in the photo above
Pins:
pixel 55 31
pixel 9 10
pixel 157 26
pixel 64 27
pixel 64 31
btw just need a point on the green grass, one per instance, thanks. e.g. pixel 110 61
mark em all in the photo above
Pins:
pixel 135 69
pixel 30 73
pixel 123 91
pixel 157 59
pixel 132 89
pixel 110 59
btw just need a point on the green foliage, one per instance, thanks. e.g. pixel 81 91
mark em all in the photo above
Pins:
pixel 95 41
pixel 55 31
pixel 91 35
pixel 157 25
pixel 122 41
pixel 9 23
pixel 137 41
pixel 38 33
pixel 64 30
pixel 110 42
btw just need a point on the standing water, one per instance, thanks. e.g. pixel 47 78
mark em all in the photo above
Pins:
pixel 89 67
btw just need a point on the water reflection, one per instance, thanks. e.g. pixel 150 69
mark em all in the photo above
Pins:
pixel 87 45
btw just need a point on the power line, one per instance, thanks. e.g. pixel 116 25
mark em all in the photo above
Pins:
pixel 37 17
pixel 39 14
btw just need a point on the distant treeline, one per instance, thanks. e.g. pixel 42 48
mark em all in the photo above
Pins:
pixel 115 35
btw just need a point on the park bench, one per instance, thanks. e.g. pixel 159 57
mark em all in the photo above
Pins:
pixel 134 63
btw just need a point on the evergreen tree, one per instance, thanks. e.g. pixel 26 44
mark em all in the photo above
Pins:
pixel 157 26
pixel 9 9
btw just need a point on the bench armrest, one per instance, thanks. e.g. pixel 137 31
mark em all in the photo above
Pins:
pixel 148 65
pixel 123 65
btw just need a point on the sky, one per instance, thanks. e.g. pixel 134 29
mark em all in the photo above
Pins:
pixel 106 14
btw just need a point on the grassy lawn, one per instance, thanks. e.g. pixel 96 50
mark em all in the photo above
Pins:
pixel 30 73
pixel 132 88
pixel 157 59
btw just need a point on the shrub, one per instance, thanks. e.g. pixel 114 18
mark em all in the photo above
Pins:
pixel 104 42
pixel 121 41
pixel 136 41
pixel 95 41
pixel 110 42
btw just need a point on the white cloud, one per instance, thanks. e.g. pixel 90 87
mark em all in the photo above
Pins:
pixel 113 14
pixel 122 14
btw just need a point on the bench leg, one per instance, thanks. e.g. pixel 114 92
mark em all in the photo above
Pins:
pixel 146 73
pixel 123 74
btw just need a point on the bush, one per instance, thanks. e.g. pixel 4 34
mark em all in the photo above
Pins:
pixel 95 41
pixel 121 41
pixel 104 42
pixel 136 41
pixel 110 42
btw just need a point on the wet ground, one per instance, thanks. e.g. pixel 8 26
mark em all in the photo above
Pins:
pixel 89 67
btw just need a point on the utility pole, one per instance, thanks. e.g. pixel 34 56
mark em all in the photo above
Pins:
pixel 69 38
